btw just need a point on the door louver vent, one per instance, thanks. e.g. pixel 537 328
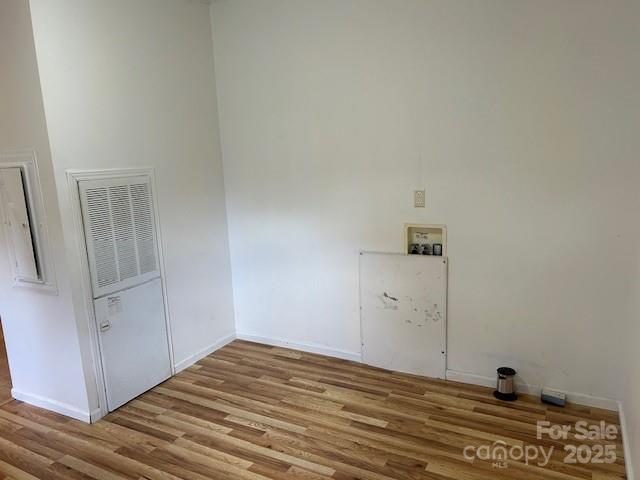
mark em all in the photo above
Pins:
pixel 120 201
pixel 143 219
pixel 120 233
pixel 104 251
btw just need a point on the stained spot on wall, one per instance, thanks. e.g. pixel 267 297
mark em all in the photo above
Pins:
pixel 388 302
pixel 432 314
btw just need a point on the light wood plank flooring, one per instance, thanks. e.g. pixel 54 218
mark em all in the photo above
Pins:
pixel 251 411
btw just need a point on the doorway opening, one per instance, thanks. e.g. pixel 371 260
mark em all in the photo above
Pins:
pixel 5 376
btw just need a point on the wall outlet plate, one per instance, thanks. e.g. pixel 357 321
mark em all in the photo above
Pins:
pixel 419 198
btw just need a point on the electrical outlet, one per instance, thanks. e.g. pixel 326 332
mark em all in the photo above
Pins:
pixel 419 198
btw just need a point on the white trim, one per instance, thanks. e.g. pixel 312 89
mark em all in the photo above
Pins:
pixel 470 378
pixel 73 177
pixel 526 388
pixel 53 405
pixel 85 281
pixel 305 347
pixel 191 359
pixel 626 445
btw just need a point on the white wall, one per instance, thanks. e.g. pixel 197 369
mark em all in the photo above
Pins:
pixel 40 329
pixel 131 84
pixel 519 118
pixel 631 372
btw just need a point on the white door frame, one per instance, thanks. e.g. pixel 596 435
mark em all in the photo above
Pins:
pixel 73 178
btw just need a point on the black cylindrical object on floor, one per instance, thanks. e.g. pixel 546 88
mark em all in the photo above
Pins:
pixel 506 389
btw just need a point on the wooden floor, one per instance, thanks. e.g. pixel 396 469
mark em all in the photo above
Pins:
pixel 5 377
pixel 251 411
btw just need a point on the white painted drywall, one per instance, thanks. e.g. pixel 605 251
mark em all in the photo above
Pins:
pixel 39 327
pixel 131 84
pixel 519 118
pixel 631 372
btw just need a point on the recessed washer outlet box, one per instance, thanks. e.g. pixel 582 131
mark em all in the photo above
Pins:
pixel 425 234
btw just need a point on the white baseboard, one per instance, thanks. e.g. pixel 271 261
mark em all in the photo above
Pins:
pixel 52 405
pixel 190 360
pixel 628 460
pixel 470 378
pixel 579 398
pixel 305 347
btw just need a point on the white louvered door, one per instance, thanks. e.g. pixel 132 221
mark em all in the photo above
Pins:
pixel 121 238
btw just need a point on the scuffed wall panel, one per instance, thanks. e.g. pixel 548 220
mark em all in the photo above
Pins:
pixel 403 312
